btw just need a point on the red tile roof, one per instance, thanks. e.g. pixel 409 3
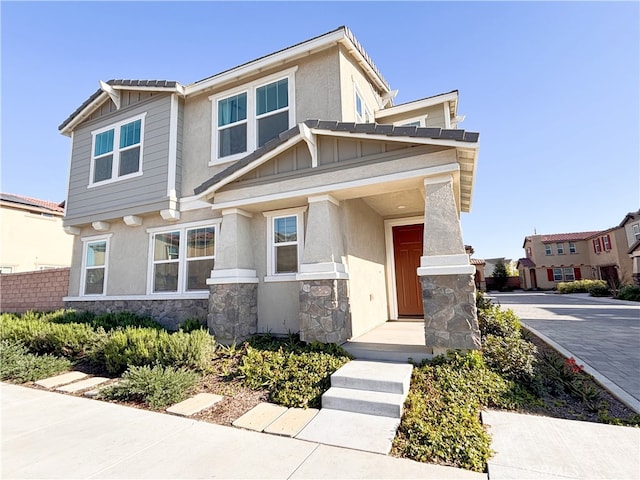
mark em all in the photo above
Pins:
pixel 526 263
pixel 32 202
pixel 568 237
pixel 477 261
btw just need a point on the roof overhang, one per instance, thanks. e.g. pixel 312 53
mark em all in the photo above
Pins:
pixel 342 36
pixel 408 108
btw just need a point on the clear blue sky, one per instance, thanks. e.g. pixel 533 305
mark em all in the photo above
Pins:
pixel 553 88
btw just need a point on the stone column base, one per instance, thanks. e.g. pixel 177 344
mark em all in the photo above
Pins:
pixel 450 315
pixel 325 315
pixel 233 311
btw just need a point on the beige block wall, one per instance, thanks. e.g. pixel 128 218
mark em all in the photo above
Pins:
pixel 365 256
pixel 29 241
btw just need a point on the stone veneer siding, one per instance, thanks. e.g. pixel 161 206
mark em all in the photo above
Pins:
pixel 450 317
pixel 233 312
pixel 325 315
pixel 169 313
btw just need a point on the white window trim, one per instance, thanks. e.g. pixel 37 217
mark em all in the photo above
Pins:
pixel 298 212
pixel 560 248
pixel 606 244
pixel 548 250
pixel 365 107
pixel 422 119
pixel 182 255
pixel 635 230
pixel 116 151
pixel 555 279
pixel 83 275
pixel 252 118
pixel 575 248
pixel 572 274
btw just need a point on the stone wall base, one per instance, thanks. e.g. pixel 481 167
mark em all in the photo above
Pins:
pixel 169 313
pixel 450 315
pixel 233 311
pixel 325 315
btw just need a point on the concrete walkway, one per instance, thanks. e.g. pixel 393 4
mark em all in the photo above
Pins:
pixel 51 435
pixel 602 334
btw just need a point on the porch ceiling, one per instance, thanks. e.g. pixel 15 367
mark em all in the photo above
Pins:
pixel 397 204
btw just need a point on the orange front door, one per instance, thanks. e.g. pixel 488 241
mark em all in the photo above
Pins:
pixel 407 250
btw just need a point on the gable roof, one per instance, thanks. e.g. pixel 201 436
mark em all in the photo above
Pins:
pixel 526 263
pixel 32 202
pixel 629 216
pixel 343 127
pixel 340 35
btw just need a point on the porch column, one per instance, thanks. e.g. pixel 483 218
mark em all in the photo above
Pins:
pixel 233 285
pixel 446 276
pixel 324 291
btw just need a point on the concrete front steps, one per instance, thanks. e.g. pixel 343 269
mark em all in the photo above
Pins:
pixel 363 407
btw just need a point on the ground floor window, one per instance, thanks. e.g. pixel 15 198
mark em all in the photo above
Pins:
pixel 285 240
pixel 563 274
pixel 95 255
pixel 182 258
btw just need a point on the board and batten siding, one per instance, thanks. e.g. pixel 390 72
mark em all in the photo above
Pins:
pixel 132 196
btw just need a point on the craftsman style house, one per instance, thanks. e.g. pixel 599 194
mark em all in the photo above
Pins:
pixel 610 255
pixel 287 194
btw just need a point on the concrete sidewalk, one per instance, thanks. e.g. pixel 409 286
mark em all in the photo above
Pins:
pixel 51 435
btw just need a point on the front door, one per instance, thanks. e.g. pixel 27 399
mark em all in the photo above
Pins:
pixel 407 250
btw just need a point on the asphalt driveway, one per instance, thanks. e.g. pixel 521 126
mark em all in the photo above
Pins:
pixel 602 334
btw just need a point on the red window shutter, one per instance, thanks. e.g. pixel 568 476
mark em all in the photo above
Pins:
pixel 550 274
pixel 576 274
pixel 595 247
pixel 600 242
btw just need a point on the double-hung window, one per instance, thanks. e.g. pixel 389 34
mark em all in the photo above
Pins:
pixel 117 151
pixel 246 118
pixel 285 243
pixel 181 258
pixel 547 249
pixel 572 247
pixel 560 248
pixel 607 243
pixel 557 275
pixel 569 275
pixel 636 231
pixel 95 260
pixel 363 114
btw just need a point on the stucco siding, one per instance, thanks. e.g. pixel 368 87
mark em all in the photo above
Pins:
pixel 317 96
pixel 100 201
pixel 365 255
pixel 128 265
pixel 352 77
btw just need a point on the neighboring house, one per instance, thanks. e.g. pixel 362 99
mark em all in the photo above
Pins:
pixel 631 225
pixel 287 194
pixel 566 257
pixel 32 236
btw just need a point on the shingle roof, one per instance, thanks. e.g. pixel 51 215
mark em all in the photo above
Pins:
pixel 526 262
pixel 568 237
pixel 32 202
pixel 127 83
pixel 368 128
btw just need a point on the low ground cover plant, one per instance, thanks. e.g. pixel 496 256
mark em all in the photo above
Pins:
pixel 155 386
pixel 19 366
pixel 593 287
pixel 629 292
pixel 295 373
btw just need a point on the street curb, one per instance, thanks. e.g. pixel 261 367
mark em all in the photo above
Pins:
pixel 614 389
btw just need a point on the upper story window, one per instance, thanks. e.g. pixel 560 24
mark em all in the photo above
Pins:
pixel 285 243
pixel 636 230
pixel 182 258
pixel 363 114
pixel 596 245
pixel 572 248
pixel 94 265
pixel 246 118
pixel 606 241
pixel 117 151
pixel 547 249
pixel 528 252
pixel 560 248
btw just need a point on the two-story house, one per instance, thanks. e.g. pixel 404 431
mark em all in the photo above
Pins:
pixel 631 225
pixel 565 257
pixel 287 194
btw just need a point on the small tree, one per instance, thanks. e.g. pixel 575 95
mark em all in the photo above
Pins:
pixel 500 275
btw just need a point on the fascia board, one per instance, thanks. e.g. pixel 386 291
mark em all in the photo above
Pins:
pixel 417 105
pixel 179 89
pixel 88 110
pixel 401 139
pixel 247 168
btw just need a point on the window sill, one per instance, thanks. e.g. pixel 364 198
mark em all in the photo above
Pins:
pixel 115 180
pixel 286 277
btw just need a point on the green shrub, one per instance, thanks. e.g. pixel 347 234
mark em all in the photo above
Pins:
pixel 17 365
pixel 513 358
pixel 107 321
pixel 156 386
pixel 492 320
pixel 41 336
pixel 296 374
pixel 600 289
pixel 579 286
pixel 629 292
pixel 441 422
pixel 191 324
pixel 134 346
